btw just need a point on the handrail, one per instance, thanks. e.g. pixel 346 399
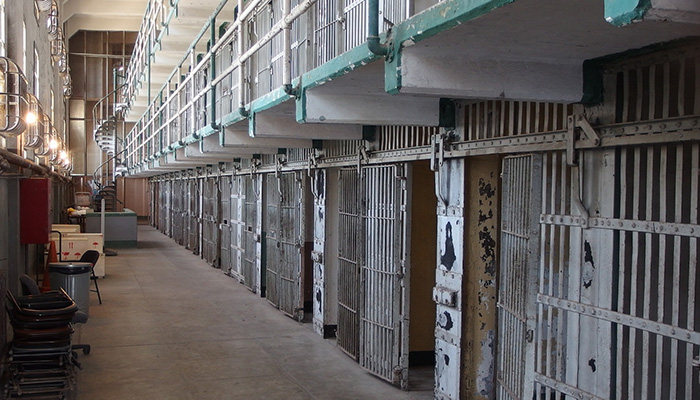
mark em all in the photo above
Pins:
pixel 180 99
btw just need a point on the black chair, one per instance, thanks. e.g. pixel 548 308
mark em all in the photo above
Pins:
pixel 92 256
pixel 29 287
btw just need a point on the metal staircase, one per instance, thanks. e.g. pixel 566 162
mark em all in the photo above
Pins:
pixel 109 122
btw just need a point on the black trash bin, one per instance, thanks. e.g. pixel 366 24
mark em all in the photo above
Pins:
pixel 74 278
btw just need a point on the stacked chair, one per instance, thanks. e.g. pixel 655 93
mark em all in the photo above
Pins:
pixel 41 361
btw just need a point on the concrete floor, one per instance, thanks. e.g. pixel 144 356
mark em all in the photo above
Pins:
pixel 173 327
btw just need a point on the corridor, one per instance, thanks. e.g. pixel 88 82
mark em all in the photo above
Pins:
pixel 173 327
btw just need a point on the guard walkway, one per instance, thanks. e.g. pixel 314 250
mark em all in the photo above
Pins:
pixel 173 327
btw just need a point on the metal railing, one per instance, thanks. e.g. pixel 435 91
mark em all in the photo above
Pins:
pixel 263 49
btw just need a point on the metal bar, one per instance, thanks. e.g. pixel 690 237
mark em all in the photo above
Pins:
pixel 663 156
pixel 670 331
pixel 676 299
pixel 628 225
pixel 647 269
pixel 562 387
pixel 692 264
pixel 622 263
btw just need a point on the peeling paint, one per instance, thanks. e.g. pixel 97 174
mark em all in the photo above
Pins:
pixel 591 363
pixel 489 246
pixel 444 321
pixel 485 189
pixel 319 301
pixel 448 258
pixel 485 373
pixel 588 256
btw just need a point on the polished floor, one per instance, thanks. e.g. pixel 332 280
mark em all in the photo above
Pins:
pixel 172 327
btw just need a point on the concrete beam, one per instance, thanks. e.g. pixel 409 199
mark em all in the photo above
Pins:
pixel 490 79
pixel 210 145
pixel 370 109
pixel 239 139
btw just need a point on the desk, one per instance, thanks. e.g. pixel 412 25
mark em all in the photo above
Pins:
pixel 121 229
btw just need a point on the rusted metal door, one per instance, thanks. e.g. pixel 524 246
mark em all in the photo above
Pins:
pixel 350 247
pixel 252 230
pixel 522 192
pixel 383 347
pixel 285 241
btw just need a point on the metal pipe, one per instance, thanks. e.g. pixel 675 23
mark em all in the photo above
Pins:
pixel 241 41
pixel 212 75
pixel 13 158
pixel 287 49
pixel 380 49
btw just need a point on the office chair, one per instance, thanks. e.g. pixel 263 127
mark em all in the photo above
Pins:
pixel 92 256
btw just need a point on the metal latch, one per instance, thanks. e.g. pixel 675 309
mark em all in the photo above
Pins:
pixel 445 296
pixel 578 123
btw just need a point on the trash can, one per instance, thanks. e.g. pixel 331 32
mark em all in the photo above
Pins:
pixel 74 278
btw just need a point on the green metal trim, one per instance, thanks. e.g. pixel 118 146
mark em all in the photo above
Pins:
pixel 251 125
pixel 339 66
pixel 204 132
pixel 232 118
pixel 272 99
pixel 624 12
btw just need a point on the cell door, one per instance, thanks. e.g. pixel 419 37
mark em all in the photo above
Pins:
pixel 383 348
pixel 225 226
pixel 272 245
pixel 350 246
pixel 177 212
pixel 237 227
pixel 252 229
pixel 193 200
pixel 210 221
pixel 518 273
pixel 285 242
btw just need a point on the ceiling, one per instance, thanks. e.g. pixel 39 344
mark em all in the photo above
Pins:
pixel 102 15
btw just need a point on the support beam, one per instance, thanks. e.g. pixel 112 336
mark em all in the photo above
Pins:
pixel 239 139
pixel 210 145
pixel 449 76
pixel 266 125
pixel 369 109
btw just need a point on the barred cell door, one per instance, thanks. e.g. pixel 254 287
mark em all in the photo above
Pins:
pixel 272 245
pixel 350 245
pixel 237 226
pixel 518 274
pixel 177 211
pixel 225 226
pixel 252 229
pixel 383 348
pixel 193 200
pixel 210 221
